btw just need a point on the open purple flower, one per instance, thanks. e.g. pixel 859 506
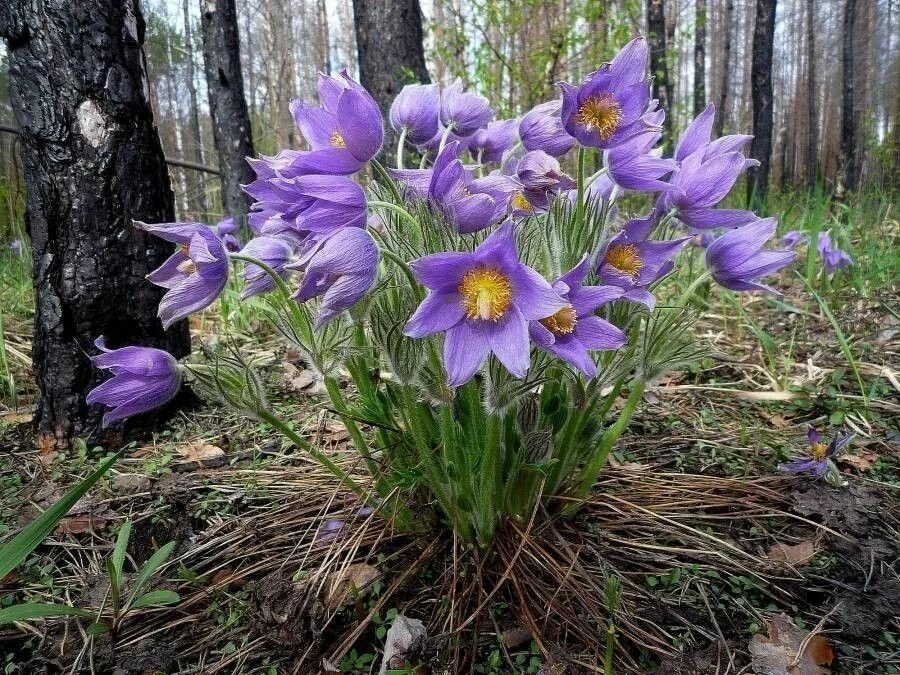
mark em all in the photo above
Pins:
pixel 634 165
pixel 417 109
pixel 632 261
pixel 527 191
pixel 820 454
pixel 833 257
pixel 483 300
pixel 736 258
pixel 275 252
pixel 318 204
pixel 606 109
pixel 463 111
pixel 340 268
pixel 143 379
pixel 794 237
pixel 574 331
pixel 194 275
pixel 541 128
pixel 697 138
pixel 489 144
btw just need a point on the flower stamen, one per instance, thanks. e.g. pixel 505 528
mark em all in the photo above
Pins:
pixel 602 113
pixel 817 451
pixel 563 322
pixel 626 258
pixel 486 294
pixel 337 140
pixel 520 203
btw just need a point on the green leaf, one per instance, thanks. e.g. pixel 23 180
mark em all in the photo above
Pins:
pixel 14 552
pixel 97 629
pixel 118 556
pixel 158 597
pixel 38 610
pixel 149 569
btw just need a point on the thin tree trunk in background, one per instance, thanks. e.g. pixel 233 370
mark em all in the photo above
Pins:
pixel 196 142
pixel 848 123
pixel 812 94
pixel 761 75
pixel 227 106
pixel 93 163
pixel 699 57
pixel 391 52
pixel 725 79
pixel 656 36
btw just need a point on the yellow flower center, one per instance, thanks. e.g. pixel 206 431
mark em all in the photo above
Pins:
pixel 486 293
pixel 817 451
pixel 337 140
pixel 602 113
pixel 626 258
pixel 563 322
pixel 186 266
pixel 520 203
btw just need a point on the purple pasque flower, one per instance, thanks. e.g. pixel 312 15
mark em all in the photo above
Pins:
pixel 833 257
pixel 697 138
pixel 315 203
pixel 330 529
pixel 820 454
pixel 635 165
pixel 489 144
pixel 194 275
pixel 541 128
pixel 143 378
pixel 736 258
pixel 276 252
pixel 225 230
pixel 632 261
pixel 575 330
pixel 606 109
pixel 16 246
pixel 417 109
pixel 463 111
pixel 699 184
pixel 340 267
pixel 794 238
pixel 541 173
pixel 469 204
pixel 483 301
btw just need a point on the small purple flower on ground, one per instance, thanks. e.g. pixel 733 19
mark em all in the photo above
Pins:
pixel 818 460
pixel 832 257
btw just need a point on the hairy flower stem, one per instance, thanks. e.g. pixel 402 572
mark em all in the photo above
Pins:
pixel 444 137
pixel 395 208
pixel 386 178
pixel 401 142
pixel 579 201
pixel 590 472
pixel 689 291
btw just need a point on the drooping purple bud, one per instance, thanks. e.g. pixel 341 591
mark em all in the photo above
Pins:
pixel 417 109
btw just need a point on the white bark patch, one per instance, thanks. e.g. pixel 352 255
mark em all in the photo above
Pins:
pixel 92 123
pixel 210 6
pixel 131 22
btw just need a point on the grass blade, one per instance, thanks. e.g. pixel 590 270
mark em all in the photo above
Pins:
pixel 149 569
pixel 158 597
pixel 38 610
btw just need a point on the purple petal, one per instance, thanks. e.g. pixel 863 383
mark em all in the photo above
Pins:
pixel 465 350
pixel 438 312
pixel 360 124
pixel 508 339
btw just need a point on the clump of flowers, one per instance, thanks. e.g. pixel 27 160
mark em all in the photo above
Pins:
pixel 489 314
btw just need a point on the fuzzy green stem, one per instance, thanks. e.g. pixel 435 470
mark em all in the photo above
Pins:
pixel 695 284
pixel 401 142
pixel 579 203
pixel 386 178
pixel 395 208
pixel 444 138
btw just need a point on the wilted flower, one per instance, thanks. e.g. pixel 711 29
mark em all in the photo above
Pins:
pixel 633 262
pixel 318 204
pixel 143 379
pixel 341 268
pixel 606 109
pixel 275 252
pixel 819 459
pixel 736 258
pixel 194 275
pixel 542 129
pixel 483 301
pixel 833 257
pixel 793 238
pixel 464 112
pixel 489 144
pixel 574 331
pixel 417 109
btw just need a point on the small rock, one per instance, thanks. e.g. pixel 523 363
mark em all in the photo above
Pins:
pixel 403 639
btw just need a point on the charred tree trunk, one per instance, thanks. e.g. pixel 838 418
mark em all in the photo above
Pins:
pixel 811 96
pixel 391 52
pixel 848 121
pixel 699 57
pixel 227 105
pixel 725 80
pixel 194 115
pixel 93 162
pixel 656 35
pixel 761 80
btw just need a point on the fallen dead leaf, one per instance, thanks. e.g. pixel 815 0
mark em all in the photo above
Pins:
pixel 334 431
pixel 861 460
pixel 795 554
pixel 304 381
pixel 627 466
pixel 203 454
pixel 14 418
pixel 779 653
pixel 79 524
pixel 348 584
pixel 515 637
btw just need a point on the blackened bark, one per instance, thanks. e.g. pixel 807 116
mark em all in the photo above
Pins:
pixel 848 120
pixel 761 79
pixel 93 162
pixel 812 159
pixel 227 105
pixel 725 81
pixel 391 52
pixel 656 36
pixel 194 114
pixel 699 57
